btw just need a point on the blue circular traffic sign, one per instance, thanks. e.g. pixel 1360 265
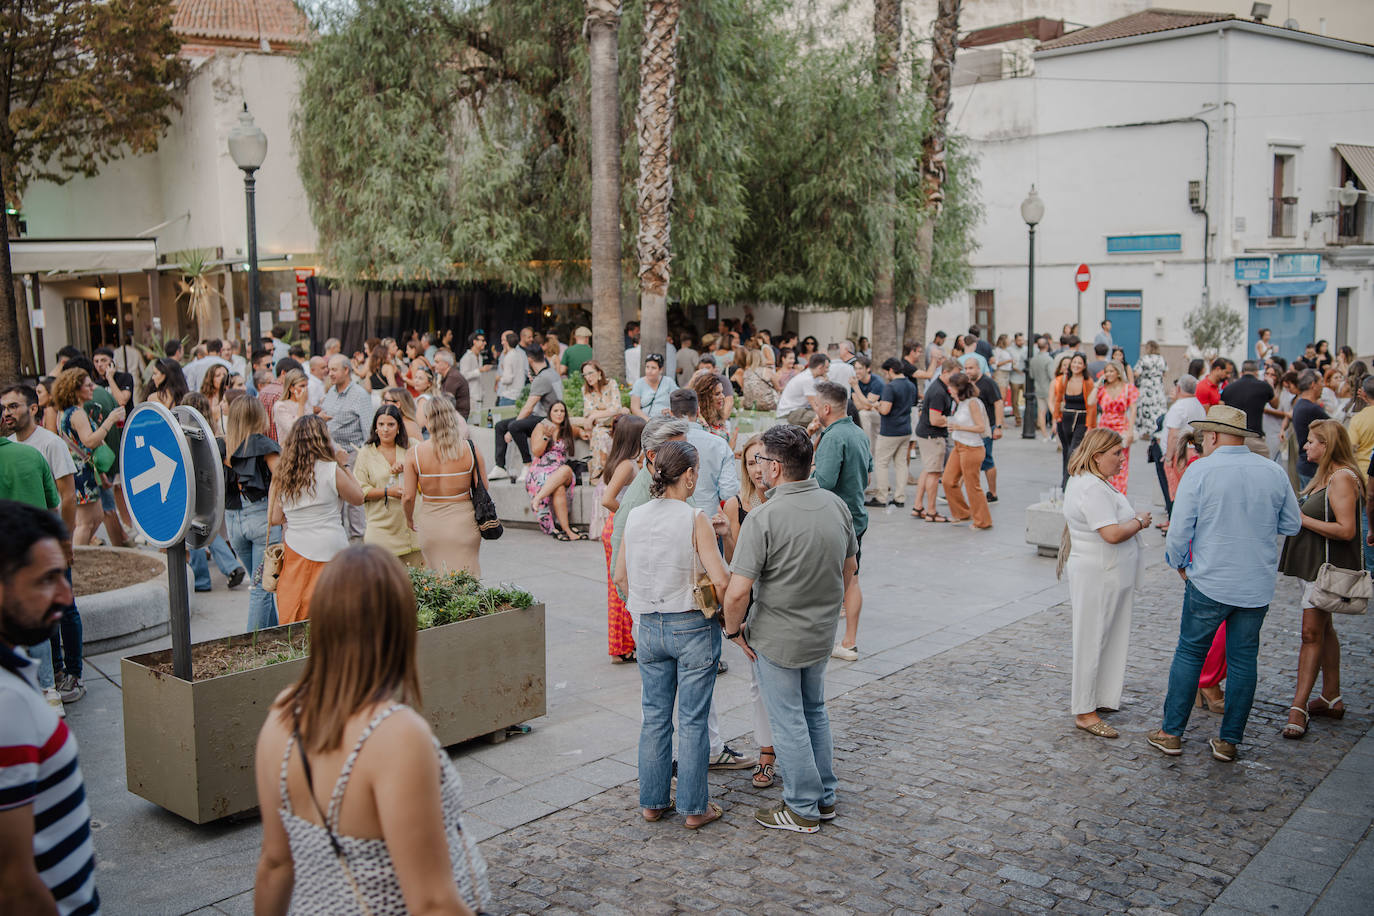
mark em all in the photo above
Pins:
pixel 155 464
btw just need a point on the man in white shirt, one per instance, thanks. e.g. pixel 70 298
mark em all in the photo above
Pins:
pixel 797 403
pixel 316 381
pixel 841 369
pixel 1176 421
pixel 1104 336
pixel 471 366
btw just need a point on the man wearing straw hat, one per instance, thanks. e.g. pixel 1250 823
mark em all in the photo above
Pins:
pixel 1223 539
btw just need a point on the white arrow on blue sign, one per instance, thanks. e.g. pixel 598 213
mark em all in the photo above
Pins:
pixel 155 463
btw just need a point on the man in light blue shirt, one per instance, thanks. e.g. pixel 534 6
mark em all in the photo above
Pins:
pixel 717 477
pixel 1231 507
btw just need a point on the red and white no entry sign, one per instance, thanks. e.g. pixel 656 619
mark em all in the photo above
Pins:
pixel 1082 277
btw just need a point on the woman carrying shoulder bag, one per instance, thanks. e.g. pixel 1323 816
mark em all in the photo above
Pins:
pixel 1331 506
pixel 666 540
pixel 250 459
pixel 361 807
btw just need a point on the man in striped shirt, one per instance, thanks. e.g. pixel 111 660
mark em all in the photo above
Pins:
pixel 47 865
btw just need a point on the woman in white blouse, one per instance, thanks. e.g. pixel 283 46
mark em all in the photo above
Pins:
pixel 1101 551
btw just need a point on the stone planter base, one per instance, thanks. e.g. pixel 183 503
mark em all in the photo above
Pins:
pixel 189 747
pixel 125 616
pixel 1044 527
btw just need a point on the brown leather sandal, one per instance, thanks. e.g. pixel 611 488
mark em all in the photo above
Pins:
pixel 764 773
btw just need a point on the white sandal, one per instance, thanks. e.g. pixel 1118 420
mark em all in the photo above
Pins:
pixel 1294 730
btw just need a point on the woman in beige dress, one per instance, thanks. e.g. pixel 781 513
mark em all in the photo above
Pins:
pixel 439 472
pixel 380 468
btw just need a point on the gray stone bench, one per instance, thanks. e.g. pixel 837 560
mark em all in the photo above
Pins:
pixel 1044 527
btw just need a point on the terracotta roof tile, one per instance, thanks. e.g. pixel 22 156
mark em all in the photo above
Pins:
pixel 251 21
pixel 1142 23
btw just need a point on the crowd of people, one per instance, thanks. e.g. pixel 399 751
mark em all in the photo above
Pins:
pixel 361 466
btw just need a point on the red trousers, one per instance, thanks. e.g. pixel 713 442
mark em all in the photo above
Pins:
pixel 1214 668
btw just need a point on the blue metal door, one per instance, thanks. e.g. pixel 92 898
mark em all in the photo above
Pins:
pixel 1123 309
pixel 1291 321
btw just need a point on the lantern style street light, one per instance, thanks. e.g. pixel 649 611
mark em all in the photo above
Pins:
pixel 1032 211
pixel 248 147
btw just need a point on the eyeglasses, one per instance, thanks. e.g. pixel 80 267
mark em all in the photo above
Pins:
pixel 757 458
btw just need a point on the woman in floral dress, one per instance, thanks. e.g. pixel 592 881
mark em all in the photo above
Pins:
pixel 1116 400
pixel 1149 379
pixel 600 406
pixel 550 481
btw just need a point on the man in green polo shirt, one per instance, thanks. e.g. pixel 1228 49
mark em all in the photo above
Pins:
pixel 844 462
pixel 579 352
pixel 25 476
pixel 799 550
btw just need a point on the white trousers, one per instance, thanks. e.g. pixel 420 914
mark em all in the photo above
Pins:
pixel 1101 592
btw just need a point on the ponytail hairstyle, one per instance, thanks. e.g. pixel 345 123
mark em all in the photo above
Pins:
pixel 671 461
pixel 1186 440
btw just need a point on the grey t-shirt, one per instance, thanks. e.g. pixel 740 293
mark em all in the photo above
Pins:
pixel 548 387
pixel 794 547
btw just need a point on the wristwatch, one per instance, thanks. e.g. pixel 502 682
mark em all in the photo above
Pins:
pixel 734 635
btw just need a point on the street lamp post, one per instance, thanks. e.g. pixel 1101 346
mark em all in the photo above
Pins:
pixel 248 147
pixel 1032 211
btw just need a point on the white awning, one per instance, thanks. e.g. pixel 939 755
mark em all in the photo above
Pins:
pixel 1361 162
pixel 82 256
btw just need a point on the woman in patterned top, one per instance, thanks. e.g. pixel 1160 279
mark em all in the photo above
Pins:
pixel 395 843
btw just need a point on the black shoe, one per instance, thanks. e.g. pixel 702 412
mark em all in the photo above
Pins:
pixel 874 503
pixel 236 577
pixel 721 667
pixel 992 497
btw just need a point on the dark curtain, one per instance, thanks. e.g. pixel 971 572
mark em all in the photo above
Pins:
pixel 354 314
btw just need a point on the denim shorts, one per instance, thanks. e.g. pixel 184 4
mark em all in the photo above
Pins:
pixel 107 500
pixel 987 456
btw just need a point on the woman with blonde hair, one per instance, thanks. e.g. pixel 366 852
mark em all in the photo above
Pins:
pixel 389 836
pixel 757 379
pixel 1331 506
pixel 1101 552
pixel 439 474
pixel 600 408
pixel 250 458
pixel 753 492
pixel 1116 399
pixel 401 399
pixel 310 481
pixel 380 469
pixel 292 405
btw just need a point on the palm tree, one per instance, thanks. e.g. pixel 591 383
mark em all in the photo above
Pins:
pixel 944 44
pixel 887 47
pixel 655 117
pixel 603 29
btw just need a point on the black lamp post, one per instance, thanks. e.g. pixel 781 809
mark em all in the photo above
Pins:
pixel 1032 211
pixel 248 147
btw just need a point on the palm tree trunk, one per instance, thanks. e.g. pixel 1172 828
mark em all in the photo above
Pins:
pixel 944 45
pixel 603 29
pixel 887 43
pixel 655 117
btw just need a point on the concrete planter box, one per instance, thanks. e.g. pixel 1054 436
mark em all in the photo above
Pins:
pixel 189 747
pixel 125 616
pixel 1044 527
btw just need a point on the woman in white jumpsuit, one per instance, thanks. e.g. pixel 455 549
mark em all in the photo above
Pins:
pixel 1104 556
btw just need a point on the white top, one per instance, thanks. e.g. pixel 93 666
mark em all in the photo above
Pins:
pixel 1272 426
pixel 1091 503
pixel 314 391
pixel 840 372
pixel 795 393
pixel 963 416
pixel 1330 403
pixel 313 526
pixel 470 366
pixel 659 558
pixel 514 366
pixel 58 456
pixel 1184 411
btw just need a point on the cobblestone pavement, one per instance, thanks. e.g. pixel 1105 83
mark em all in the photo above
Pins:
pixel 966 789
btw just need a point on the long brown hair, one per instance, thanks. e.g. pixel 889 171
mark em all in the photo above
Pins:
pixel 364 589
pixel 246 417
pixel 625 442
pixel 207 384
pixel 706 385
pixel 1339 453
pixel 602 379
pixel 307 443
pixel 749 495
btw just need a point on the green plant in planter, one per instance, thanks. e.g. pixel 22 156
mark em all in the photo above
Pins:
pixel 442 598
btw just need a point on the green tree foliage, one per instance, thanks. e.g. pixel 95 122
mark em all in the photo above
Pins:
pixel 775 172
pixel 1214 327
pixel 81 84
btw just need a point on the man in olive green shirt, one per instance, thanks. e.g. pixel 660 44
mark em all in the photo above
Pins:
pixel 799 550
pixel 25 476
pixel 844 462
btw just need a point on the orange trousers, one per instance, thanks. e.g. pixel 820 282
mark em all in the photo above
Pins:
pixel 962 467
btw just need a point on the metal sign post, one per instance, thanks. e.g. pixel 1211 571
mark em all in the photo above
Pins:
pixel 173 480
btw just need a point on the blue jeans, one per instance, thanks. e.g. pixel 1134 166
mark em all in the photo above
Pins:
pixel 66 640
pixel 1201 618
pixel 677 656
pixel 200 567
pixel 795 699
pixel 248 535
pixel 42 653
pixel 504 402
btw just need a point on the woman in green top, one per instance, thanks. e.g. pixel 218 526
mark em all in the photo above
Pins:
pixel 1330 533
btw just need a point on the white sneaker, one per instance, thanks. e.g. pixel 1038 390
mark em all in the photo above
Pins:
pixel 846 654
pixel 497 473
pixel 523 474
pixel 55 701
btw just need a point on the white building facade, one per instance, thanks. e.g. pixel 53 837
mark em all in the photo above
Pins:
pixel 1196 163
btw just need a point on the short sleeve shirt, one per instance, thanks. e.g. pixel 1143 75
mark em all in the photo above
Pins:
pixel 25 476
pixel 1208 394
pixel 54 450
pixel 549 388
pixel 989 394
pixel 653 401
pixel 901 394
pixel 794 547
pixel 936 399
pixel 575 356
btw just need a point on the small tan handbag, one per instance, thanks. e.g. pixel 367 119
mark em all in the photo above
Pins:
pixel 704 595
pixel 272 557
